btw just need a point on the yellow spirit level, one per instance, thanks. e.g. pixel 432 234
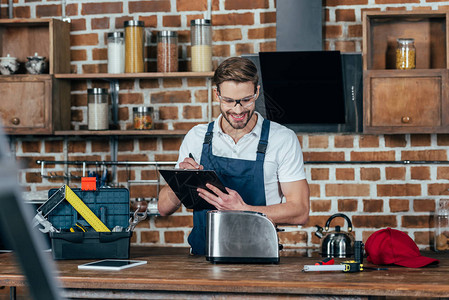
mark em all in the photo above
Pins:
pixel 84 211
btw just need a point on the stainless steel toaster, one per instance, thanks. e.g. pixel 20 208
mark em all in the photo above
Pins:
pixel 241 237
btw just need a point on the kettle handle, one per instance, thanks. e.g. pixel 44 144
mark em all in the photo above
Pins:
pixel 339 215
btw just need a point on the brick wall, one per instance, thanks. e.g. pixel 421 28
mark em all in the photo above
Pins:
pixel 374 196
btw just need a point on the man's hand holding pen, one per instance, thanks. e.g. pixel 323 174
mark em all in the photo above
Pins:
pixel 222 201
pixel 190 163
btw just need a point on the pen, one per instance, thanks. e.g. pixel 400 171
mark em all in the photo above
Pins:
pixel 197 165
pixel 191 156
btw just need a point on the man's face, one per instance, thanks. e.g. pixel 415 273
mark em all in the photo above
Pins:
pixel 237 115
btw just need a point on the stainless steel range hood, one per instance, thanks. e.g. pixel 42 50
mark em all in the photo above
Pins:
pixel 299 25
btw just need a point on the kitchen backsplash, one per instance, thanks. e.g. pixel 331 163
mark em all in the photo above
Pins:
pixel 374 196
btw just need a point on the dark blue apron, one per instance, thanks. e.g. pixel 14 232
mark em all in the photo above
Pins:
pixel 244 176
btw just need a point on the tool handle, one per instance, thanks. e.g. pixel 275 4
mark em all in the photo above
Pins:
pixel 326 261
pixel 358 251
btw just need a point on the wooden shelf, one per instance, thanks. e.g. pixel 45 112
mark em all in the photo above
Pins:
pixel 35 104
pixel 382 29
pixel 405 101
pixel 24 22
pixel 135 75
pixel 122 132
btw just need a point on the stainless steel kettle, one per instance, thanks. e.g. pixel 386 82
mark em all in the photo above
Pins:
pixel 336 243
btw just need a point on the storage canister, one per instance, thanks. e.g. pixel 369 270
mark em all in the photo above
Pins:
pixel 201 39
pixel 442 226
pixel 143 117
pixel 405 54
pixel 167 51
pixel 98 109
pixel 134 46
pixel 8 65
pixel 116 52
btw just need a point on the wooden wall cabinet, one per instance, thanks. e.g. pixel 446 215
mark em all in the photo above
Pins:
pixel 405 101
pixel 35 104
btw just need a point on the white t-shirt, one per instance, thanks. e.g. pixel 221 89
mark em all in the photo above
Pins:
pixel 283 158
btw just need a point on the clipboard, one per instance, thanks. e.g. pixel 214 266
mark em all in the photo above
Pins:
pixel 185 182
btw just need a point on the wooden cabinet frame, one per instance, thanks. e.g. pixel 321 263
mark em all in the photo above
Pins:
pixel 405 101
pixel 45 101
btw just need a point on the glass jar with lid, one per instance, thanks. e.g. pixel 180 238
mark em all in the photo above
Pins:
pixel 167 51
pixel 143 117
pixel 201 39
pixel 98 109
pixel 134 46
pixel 405 54
pixel 116 52
pixel 442 226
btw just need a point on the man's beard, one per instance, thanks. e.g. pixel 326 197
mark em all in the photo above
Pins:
pixel 236 124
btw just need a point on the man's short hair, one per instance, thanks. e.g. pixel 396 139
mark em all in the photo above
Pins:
pixel 236 69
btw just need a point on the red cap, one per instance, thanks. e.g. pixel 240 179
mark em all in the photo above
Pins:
pixel 391 246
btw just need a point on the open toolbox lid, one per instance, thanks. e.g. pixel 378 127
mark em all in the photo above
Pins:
pixel 110 205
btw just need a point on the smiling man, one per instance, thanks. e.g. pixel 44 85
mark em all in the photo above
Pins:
pixel 260 162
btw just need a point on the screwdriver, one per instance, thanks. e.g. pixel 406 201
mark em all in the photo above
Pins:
pixel 326 261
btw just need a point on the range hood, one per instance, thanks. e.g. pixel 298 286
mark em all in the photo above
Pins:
pixel 299 25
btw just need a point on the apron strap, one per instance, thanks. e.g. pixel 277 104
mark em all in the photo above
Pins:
pixel 263 141
pixel 209 133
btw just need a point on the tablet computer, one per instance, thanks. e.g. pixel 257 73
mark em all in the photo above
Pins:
pixel 185 182
pixel 111 264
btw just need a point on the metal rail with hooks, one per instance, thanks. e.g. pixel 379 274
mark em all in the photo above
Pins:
pixel 374 162
pixel 157 164
pixel 85 164
pixel 164 163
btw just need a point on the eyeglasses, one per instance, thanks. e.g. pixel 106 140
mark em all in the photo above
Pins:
pixel 244 102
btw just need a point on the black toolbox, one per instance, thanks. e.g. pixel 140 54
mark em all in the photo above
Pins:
pixel 111 206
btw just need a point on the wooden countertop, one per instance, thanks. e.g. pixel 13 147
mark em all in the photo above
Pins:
pixel 174 270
